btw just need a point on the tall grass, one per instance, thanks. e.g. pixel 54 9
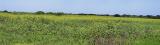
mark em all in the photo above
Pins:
pixel 28 29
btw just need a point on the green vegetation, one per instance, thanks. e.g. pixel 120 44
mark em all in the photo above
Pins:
pixel 62 13
pixel 45 29
pixel 40 12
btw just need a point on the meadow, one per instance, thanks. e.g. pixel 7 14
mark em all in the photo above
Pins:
pixel 31 29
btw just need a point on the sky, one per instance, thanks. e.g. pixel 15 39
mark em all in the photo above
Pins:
pixel 135 7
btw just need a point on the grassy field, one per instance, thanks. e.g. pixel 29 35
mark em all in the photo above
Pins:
pixel 30 29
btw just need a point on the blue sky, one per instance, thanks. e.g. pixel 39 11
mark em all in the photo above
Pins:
pixel 138 7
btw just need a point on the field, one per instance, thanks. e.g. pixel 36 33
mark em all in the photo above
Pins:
pixel 30 29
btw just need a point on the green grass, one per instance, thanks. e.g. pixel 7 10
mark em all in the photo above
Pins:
pixel 30 29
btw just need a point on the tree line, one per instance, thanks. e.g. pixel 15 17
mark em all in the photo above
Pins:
pixel 62 13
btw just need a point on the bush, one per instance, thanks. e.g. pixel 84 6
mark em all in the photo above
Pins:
pixel 50 13
pixel 39 12
pixel 125 15
pixel 158 16
pixel 149 16
pixel 5 11
pixel 117 15
pixel 59 13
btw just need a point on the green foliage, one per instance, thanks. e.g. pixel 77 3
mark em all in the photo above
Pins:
pixel 5 11
pixel 39 12
pixel 49 13
pixel 62 13
pixel 125 15
pixel 77 30
pixel 117 15
pixel 59 13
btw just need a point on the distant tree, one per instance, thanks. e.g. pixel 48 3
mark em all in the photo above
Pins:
pixel 117 15
pixel 86 14
pixel 157 16
pixel 91 14
pixel 59 13
pixel 133 16
pixel 125 15
pixel 81 14
pixel 104 15
pixel 39 12
pixel 69 13
pixel 5 11
pixel 49 13
pixel 149 16
pixel 107 14
pixel 141 16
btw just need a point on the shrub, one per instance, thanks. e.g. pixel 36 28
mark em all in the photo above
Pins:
pixel 125 15
pixel 5 11
pixel 49 13
pixel 59 13
pixel 39 12
pixel 149 16
pixel 117 15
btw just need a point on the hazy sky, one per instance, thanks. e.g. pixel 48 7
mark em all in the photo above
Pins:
pixel 85 6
